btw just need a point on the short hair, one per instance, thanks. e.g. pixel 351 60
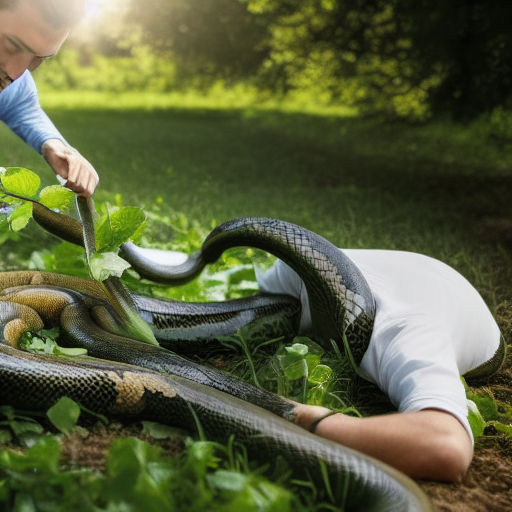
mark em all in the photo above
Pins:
pixel 58 13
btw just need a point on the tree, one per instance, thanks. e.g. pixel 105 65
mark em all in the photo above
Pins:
pixel 207 37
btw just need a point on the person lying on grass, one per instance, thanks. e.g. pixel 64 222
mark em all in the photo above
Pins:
pixel 32 31
pixel 431 326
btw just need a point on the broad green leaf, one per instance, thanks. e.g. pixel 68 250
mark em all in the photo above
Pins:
pixel 277 499
pixel 20 181
pixel 320 374
pixel 486 405
pixel 69 351
pixel 50 346
pixel 127 463
pixel 158 430
pixel 294 368
pixel 43 457
pixel 64 258
pixel 316 395
pixel 138 232
pixel 32 343
pixel 56 196
pixel 7 411
pixel 64 414
pixel 22 427
pixel 201 456
pixel 118 226
pixel 20 217
pixel 106 264
pixel 476 422
pixel 297 349
pixel 227 480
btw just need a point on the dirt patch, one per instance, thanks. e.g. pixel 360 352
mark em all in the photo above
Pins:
pixel 88 448
pixel 487 486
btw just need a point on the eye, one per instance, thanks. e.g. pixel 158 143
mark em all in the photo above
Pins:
pixel 11 46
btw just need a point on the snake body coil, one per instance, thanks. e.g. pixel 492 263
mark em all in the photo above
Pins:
pixel 171 389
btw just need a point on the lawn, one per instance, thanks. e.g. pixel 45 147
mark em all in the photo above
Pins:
pixel 440 188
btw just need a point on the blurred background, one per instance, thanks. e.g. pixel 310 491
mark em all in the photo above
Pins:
pixel 377 123
pixel 399 58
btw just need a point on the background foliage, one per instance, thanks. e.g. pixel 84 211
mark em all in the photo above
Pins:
pixel 400 58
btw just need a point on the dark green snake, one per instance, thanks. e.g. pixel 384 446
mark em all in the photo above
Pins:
pixel 155 383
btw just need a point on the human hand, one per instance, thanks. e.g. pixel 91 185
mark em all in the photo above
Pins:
pixel 68 163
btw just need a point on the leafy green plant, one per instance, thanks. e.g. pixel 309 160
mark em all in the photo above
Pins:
pixel 21 185
pixel 64 414
pixel 17 426
pixel 20 189
pixel 44 342
pixel 206 475
pixel 485 410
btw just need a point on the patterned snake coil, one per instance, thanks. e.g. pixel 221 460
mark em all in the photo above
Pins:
pixel 130 378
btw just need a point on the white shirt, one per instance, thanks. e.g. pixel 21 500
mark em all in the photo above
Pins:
pixel 431 326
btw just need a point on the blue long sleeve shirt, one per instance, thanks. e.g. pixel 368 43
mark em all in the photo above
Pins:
pixel 21 111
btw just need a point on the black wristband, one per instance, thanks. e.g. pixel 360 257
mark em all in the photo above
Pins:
pixel 315 423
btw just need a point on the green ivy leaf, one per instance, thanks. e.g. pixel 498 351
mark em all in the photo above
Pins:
pixel 20 181
pixel 106 264
pixel 56 196
pixel 118 226
pixel 64 414
pixel 20 217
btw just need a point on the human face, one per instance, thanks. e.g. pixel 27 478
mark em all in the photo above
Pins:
pixel 26 40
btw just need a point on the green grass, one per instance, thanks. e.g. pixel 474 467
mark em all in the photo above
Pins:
pixel 440 188
pixel 434 188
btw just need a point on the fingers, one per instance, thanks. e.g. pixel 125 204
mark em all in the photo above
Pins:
pixel 81 177
pixel 68 163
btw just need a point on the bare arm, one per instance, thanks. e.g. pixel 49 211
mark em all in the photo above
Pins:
pixel 428 444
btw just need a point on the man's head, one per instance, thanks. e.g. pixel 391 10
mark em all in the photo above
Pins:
pixel 32 31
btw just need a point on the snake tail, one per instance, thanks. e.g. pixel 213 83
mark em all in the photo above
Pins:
pixel 36 382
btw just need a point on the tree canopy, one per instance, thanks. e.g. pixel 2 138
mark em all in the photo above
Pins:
pixel 396 56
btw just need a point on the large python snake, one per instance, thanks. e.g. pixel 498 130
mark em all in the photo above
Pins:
pixel 132 378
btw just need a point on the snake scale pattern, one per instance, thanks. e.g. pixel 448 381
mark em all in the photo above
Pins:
pixel 130 378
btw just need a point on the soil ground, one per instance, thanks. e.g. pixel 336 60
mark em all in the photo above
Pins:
pixel 487 486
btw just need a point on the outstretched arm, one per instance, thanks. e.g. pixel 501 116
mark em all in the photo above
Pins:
pixel 22 112
pixel 428 444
